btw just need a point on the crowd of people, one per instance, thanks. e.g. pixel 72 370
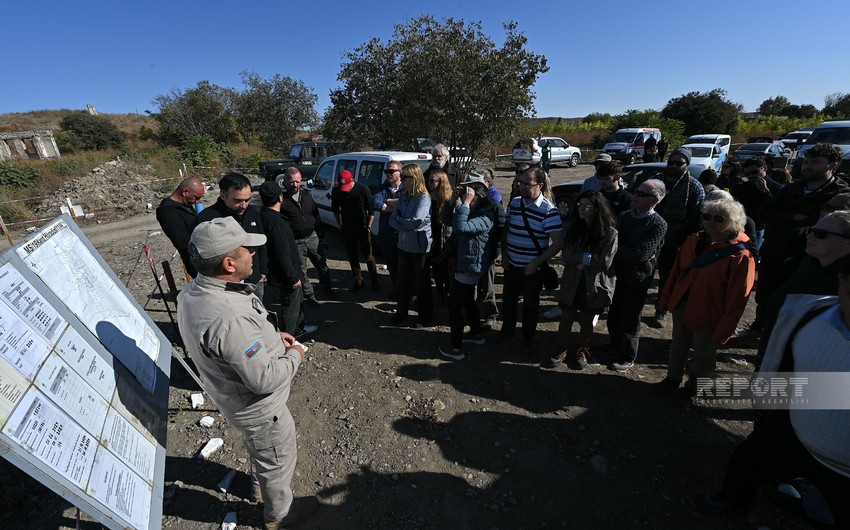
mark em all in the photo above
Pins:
pixel 445 243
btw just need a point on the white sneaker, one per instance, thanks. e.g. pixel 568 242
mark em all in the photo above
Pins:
pixel 451 353
pixel 553 313
pixel 306 330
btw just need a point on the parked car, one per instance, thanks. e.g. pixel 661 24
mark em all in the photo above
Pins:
pixel 367 167
pixel 774 153
pixel 792 139
pixel 835 132
pixel 306 156
pixel 707 156
pixel 561 152
pixel 565 194
pixel 723 140
pixel 626 145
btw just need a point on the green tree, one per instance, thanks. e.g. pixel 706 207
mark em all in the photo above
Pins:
pixel 837 105
pixel 704 112
pixel 773 106
pixel 799 111
pixel 205 110
pixel 274 110
pixel 594 117
pixel 443 79
pixel 84 131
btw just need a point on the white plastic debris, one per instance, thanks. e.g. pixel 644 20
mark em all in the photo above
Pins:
pixel 149 206
pixel 229 521
pixel 225 483
pixel 197 400
pixel 206 421
pixel 211 447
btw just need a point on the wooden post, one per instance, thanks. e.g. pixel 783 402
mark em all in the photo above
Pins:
pixel 6 231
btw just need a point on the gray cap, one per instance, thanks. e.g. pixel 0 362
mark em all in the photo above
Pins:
pixel 684 151
pixel 602 157
pixel 474 177
pixel 220 236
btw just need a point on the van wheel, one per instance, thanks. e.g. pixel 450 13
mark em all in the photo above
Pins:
pixel 565 207
pixel 632 159
pixel 574 160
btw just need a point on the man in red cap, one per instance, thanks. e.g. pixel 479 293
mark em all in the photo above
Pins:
pixel 351 203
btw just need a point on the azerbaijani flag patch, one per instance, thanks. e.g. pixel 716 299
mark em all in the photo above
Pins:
pixel 253 349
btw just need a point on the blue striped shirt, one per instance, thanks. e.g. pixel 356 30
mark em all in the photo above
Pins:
pixel 543 219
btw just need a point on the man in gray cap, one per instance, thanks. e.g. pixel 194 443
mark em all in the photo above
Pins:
pixel 681 208
pixel 246 366
pixel 592 182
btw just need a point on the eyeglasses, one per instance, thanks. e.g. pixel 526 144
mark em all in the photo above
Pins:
pixel 820 233
pixel 641 193
pixel 527 184
pixel 675 163
pixel 715 218
pixel 391 171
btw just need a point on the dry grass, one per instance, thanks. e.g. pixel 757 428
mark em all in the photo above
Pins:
pixel 48 120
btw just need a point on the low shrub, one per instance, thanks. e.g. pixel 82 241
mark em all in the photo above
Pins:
pixel 15 176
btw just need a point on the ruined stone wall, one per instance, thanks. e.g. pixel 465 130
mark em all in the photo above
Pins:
pixel 28 144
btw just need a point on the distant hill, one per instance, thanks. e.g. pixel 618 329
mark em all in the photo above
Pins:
pixel 40 120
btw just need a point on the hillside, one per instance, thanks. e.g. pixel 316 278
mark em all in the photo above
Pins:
pixel 39 120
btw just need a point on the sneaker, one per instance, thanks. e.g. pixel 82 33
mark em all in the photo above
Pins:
pixel 300 509
pixel 659 320
pixel 452 353
pixel 581 358
pixel 622 366
pixel 665 386
pixel 306 330
pixel 558 360
pixel 474 339
pixel 711 505
pixel 553 313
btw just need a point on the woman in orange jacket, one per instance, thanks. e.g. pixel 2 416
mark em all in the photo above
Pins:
pixel 707 291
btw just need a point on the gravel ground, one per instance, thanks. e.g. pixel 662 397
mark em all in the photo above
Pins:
pixel 392 436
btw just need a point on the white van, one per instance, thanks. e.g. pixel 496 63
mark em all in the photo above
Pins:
pixel 367 168
pixel 723 140
pixel 627 144
pixel 829 132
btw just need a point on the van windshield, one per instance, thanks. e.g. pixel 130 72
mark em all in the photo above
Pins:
pixel 830 135
pixel 624 137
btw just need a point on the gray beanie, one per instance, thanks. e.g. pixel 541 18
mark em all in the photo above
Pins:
pixel 684 151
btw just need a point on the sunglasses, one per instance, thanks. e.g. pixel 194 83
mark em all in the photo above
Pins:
pixel 715 218
pixel 391 171
pixel 820 233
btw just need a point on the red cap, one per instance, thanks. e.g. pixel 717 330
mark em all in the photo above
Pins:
pixel 345 180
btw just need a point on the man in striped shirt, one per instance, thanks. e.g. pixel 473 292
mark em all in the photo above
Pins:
pixel 534 233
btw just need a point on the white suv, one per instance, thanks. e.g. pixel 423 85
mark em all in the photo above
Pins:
pixel 561 152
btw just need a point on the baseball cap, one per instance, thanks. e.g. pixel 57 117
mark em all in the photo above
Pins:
pixel 270 190
pixel 220 236
pixel 345 180
pixel 473 177
pixel 603 157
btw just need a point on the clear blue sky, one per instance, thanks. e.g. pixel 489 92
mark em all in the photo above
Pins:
pixel 604 56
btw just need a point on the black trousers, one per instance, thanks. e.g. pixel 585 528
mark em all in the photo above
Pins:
pixel 773 451
pixel 413 277
pixel 462 299
pixel 288 305
pixel 516 283
pixel 624 319
pixel 358 236
pixel 666 260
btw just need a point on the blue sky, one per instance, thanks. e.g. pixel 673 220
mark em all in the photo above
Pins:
pixel 604 56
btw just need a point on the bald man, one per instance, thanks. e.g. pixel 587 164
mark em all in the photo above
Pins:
pixel 176 215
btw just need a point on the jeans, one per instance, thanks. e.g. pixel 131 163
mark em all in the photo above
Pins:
pixel 624 319
pixel 413 277
pixel 462 299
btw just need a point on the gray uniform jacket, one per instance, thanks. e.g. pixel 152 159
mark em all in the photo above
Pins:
pixel 241 358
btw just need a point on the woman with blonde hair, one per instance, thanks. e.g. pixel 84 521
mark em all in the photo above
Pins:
pixel 412 219
pixel 707 291
pixel 440 190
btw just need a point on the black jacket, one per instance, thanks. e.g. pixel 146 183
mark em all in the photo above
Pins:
pixel 303 215
pixel 284 263
pixel 250 222
pixel 751 198
pixel 177 221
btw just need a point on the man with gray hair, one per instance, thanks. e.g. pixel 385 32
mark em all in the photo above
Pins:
pixel 246 365
pixel 441 161
pixel 640 234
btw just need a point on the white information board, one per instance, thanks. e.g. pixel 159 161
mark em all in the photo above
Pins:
pixel 83 379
